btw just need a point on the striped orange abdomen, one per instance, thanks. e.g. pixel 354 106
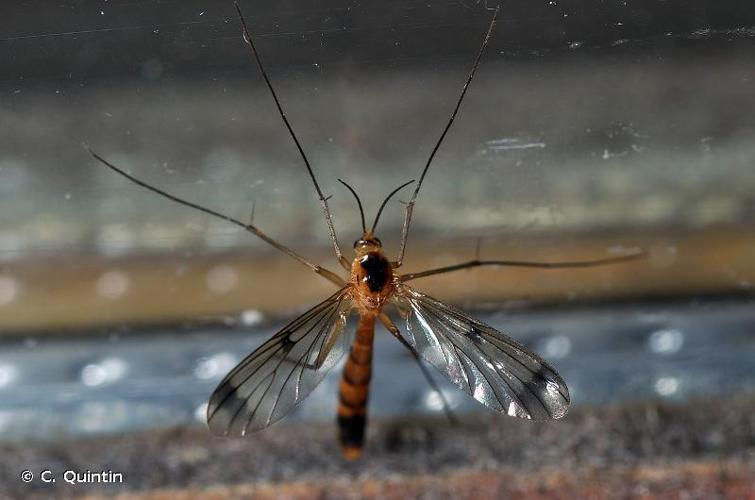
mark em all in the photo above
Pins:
pixel 353 391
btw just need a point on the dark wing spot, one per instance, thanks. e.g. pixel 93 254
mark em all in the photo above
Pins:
pixel 287 343
pixel 474 335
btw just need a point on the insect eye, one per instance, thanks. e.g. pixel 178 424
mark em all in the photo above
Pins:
pixel 372 241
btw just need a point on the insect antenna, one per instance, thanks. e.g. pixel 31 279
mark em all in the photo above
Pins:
pixel 380 210
pixel 329 275
pixel 359 202
pixel 410 205
pixel 165 194
pixel 323 199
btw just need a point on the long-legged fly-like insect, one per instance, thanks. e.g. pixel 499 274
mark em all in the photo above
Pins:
pixel 494 369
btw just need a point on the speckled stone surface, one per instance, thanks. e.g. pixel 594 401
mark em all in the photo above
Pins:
pixel 700 448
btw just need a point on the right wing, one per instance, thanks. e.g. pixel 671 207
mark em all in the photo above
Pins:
pixel 491 367
pixel 284 370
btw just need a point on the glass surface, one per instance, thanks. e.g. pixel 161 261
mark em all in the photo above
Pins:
pixel 588 132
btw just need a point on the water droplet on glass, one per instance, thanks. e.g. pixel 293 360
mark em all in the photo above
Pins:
pixel 8 374
pixel 106 371
pixel 221 279
pixel 112 284
pixel 556 347
pixel 251 317
pixel 215 366
pixel 200 413
pixel 8 290
pixel 666 341
pixel 667 386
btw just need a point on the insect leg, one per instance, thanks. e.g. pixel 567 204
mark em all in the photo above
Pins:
pixel 391 327
pixel 520 263
pixel 323 200
pixel 412 201
pixel 325 273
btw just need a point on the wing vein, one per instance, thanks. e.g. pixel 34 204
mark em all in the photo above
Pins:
pixel 482 370
pixel 301 362
pixel 496 370
pixel 263 387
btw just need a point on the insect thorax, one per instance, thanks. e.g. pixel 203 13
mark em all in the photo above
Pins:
pixel 376 271
pixel 373 276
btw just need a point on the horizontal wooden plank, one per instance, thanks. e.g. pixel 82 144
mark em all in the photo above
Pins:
pixel 84 291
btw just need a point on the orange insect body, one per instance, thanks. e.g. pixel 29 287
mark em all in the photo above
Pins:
pixel 372 283
pixel 353 391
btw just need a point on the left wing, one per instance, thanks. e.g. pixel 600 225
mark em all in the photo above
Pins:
pixel 491 367
pixel 281 372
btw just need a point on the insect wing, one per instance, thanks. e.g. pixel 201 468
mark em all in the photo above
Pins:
pixel 280 373
pixel 494 369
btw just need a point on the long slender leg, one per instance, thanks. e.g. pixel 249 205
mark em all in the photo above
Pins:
pixel 325 273
pixel 386 321
pixel 412 201
pixel 323 200
pixel 519 263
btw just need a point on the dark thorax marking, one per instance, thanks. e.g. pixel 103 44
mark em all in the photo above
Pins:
pixel 376 269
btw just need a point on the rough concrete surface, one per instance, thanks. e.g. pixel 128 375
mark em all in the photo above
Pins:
pixel 702 449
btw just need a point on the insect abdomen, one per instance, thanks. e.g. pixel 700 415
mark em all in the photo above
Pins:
pixel 354 390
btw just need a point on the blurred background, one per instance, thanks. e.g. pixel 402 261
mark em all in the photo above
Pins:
pixel 590 131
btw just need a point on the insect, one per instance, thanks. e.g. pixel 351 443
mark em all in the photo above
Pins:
pixel 494 369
